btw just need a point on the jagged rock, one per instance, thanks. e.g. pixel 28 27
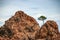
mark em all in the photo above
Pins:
pixel 20 27
pixel 49 30
pixel 23 27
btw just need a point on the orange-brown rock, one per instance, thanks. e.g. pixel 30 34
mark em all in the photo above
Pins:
pixel 19 27
pixel 58 38
pixel 23 27
pixel 49 30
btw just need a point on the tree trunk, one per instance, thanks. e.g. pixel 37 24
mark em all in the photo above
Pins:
pixel 43 21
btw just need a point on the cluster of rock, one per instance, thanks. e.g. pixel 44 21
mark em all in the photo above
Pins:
pixel 49 30
pixel 23 27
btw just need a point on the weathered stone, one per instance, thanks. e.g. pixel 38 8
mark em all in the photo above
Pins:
pixel 21 27
pixel 49 30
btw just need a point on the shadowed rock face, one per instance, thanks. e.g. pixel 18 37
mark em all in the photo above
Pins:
pixel 23 27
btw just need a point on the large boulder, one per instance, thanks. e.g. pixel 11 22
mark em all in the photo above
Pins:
pixel 19 27
pixel 49 30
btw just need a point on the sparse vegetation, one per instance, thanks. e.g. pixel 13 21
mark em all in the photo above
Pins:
pixel 42 18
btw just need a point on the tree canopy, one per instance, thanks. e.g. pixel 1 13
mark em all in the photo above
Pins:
pixel 42 18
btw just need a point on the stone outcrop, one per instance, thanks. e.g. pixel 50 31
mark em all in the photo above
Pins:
pixel 23 27
pixel 19 27
pixel 49 30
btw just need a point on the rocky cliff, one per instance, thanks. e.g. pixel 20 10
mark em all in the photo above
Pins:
pixel 24 27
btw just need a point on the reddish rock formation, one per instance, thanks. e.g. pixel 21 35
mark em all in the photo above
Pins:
pixel 23 27
pixel 49 30
pixel 19 27
pixel 58 38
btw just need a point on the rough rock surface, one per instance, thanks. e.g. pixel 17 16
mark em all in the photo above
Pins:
pixel 19 27
pixel 49 30
pixel 23 27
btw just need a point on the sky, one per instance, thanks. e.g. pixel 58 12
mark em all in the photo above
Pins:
pixel 34 8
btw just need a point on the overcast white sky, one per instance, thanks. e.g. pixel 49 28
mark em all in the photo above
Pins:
pixel 34 8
